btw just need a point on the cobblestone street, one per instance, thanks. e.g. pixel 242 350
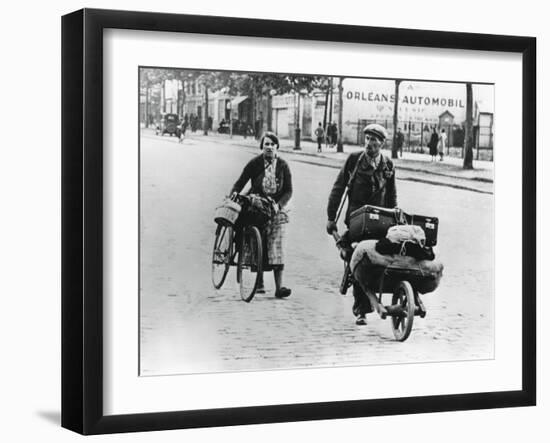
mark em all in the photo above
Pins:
pixel 187 327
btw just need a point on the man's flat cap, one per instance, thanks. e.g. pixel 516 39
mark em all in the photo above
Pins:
pixel 376 129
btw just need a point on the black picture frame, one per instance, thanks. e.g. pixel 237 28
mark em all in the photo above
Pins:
pixel 82 215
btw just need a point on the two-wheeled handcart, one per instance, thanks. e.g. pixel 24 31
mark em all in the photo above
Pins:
pixel 404 277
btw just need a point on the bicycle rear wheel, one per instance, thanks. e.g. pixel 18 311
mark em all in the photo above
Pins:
pixel 221 254
pixel 249 266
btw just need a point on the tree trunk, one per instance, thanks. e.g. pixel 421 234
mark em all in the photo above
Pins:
pixel 163 96
pixel 178 102
pixel 254 108
pixel 469 133
pixel 269 112
pixel 395 120
pixel 205 109
pixel 147 91
pixel 183 98
pixel 331 100
pixel 326 108
pixel 340 144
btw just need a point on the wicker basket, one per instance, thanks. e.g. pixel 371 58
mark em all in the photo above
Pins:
pixel 227 213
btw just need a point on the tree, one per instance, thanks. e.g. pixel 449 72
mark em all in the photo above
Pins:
pixel 395 120
pixel 150 77
pixel 468 133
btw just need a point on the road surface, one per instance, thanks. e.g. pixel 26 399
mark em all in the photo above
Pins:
pixel 188 327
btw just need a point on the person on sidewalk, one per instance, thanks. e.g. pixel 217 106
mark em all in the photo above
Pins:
pixel 331 134
pixel 434 140
pixel 334 134
pixel 320 134
pixel 372 184
pixel 442 144
pixel 182 130
pixel 270 176
pixel 399 140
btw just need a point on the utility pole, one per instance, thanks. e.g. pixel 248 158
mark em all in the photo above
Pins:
pixel 469 133
pixel 326 107
pixel 395 120
pixel 297 130
pixel 340 144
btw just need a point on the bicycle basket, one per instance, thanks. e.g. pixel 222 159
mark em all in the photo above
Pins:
pixel 227 213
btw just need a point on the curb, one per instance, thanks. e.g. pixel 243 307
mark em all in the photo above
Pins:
pixel 404 168
pixel 293 151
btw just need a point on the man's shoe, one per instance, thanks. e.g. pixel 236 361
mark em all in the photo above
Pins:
pixel 282 292
pixel 260 290
pixel 361 320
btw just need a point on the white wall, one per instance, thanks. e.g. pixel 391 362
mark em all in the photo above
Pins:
pixel 30 221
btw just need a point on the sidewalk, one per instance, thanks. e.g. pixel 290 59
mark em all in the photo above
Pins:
pixel 412 166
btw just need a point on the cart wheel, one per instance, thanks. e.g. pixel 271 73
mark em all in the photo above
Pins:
pixel 403 295
pixel 221 255
pixel 249 266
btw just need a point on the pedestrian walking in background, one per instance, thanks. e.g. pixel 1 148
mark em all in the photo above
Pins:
pixel 182 130
pixel 334 134
pixel 269 176
pixel 442 144
pixel 373 183
pixel 399 140
pixel 320 134
pixel 434 141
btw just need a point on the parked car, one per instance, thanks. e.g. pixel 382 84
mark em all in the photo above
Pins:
pixel 169 124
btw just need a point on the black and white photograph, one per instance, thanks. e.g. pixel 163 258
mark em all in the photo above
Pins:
pixel 298 220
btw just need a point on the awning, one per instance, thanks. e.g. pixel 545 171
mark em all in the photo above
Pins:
pixel 239 99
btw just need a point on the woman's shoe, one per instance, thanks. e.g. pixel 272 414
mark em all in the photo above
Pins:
pixel 282 292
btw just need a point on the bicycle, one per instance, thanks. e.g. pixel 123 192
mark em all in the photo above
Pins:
pixel 237 244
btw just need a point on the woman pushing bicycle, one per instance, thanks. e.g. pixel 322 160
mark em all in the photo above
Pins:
pixel 270 178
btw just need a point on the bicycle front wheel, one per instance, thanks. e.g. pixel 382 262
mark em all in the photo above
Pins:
pixel 221 255
pixel 249 266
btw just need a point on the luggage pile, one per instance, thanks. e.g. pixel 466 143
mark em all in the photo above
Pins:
pixel 390 239
pixel 373 222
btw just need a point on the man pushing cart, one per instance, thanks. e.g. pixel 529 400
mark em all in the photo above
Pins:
pixel 367 182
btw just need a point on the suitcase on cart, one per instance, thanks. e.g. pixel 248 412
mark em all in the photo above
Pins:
pixel 428 224
pixel 372 222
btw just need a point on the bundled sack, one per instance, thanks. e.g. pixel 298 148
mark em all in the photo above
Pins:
pixel 367 265
pixel 406 233
pixel 257 211
pixel 406 240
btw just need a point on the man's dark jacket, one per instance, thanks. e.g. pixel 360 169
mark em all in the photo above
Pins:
pixel 370 186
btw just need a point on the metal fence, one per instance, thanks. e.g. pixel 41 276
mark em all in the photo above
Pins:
pixel 417 135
